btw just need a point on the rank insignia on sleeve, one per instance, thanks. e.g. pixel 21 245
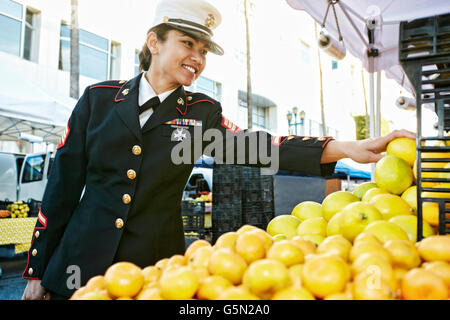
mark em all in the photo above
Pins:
pixel 276 141
pixel 62 142
pixel 42 219
pixel 229 125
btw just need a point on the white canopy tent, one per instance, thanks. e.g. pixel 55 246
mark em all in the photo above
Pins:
pixel 369 30
pixel 28 111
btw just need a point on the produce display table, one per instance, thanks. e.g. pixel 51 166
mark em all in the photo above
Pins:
pixel 18 232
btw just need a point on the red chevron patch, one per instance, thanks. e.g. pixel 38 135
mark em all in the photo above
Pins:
pixel 229 125
pixel 63 140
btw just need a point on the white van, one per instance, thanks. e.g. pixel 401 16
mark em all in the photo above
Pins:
pixel 24 177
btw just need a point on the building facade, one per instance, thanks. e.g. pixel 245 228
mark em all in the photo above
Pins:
pixel 35 41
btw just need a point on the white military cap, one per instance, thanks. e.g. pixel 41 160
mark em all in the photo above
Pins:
pixel 195 17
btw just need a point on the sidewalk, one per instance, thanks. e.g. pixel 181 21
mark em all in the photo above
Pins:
pixel 11 282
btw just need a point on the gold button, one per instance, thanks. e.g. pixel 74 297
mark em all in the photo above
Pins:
pixel 37 234
pixel 306 138
pixel 180 101
pixel 34 252
pixel 166 19
pixel 125 92
pixel 30 271
pixel 126 198
pixel 136 150
pixel 119 223
pixel 131 174
pixel 122 81
pixel 189 98
pixel 290 137
pixel 321 138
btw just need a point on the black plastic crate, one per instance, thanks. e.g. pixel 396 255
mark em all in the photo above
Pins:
pixel 424 54
pixel 193 214
pixel 224 198
pixel 257 195
pixel 4 204
pixel 256 207
pixel 260 220
pixel 259 183
pixel 222 178
pixel 250 172
pixel 225 188
pixel 34 206
pixel 227 217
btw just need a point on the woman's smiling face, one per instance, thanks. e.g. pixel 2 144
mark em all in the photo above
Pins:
pixel 179 60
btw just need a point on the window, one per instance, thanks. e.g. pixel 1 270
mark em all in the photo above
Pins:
pixel 208 87
pixel 136 62
pixel 332 132
pixel 304 52
pixel 50 164
pixel 99 57
pixel 18 30
pixel 34 169
pixel 334 64
pixel 315 128
pixel 114 66
pixel 31 43
pixel 259 116
pixel 198 183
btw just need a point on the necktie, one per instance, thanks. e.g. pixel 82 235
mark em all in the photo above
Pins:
pixel 151 103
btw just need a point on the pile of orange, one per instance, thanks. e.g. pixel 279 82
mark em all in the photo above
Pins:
pixel 249 265
pixel 359 245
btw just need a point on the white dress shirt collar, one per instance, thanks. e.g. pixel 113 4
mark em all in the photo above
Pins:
pixel 146 91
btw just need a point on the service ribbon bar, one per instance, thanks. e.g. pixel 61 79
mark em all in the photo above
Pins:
pixel 185 122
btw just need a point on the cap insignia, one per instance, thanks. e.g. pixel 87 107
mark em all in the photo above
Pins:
pixel 210 21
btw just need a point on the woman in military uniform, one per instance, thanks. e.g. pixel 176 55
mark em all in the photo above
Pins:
pixel 114 191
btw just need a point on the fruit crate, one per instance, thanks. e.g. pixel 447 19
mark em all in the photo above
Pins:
pixel 223 198
pixel 193 214
pixel 34 206
pixel 258 219
pixel 424 54
pixel 249 173
pixel 257 195
pixel 226 218
pixel 5 204
pixel 225 178
pixel 225 188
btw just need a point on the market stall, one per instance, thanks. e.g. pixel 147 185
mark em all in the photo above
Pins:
pixel 27 108
pixel 17 232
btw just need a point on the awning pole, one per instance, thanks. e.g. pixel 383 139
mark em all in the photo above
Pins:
pixel 378 105
pixel 372 109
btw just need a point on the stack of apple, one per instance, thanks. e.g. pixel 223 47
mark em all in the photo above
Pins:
pixel 248 264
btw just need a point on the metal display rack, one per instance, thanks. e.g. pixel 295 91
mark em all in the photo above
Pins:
pixel 424 54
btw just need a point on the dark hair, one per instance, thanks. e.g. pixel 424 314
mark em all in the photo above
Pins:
pixel 145 56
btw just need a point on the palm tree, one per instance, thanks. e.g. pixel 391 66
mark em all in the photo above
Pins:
pixel 322 108
pixel 74 51
pixel 249 81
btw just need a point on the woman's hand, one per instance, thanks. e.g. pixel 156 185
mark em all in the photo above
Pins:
pixel 34 291
pixel 362 151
